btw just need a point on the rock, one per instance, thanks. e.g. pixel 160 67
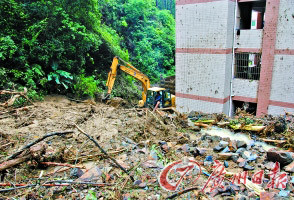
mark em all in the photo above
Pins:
pixel 150 164
pixel 284 193
pixel 284 158
pixel 241 144
pixel 233 146
pixel 126 196
pixel 185 148
pixel 248 167
pixel 214 193
pixel 226 150
pixel 218 148
pixel 235 187
pixel 242 197
pixel 76 172
pixel 269 165
pixel 192 114
pixel 153 155
pixel 209 158
pixel 201 151
pixel 242 164
pixel 240 160
pixel 235 158
pixel 93 174
pixel 182 140
pixel 290 167
pixel 222 144
pixel 215 138
pixel 226 164
pixel 226 194
pixel 204 137
pixel 252 157
pixel 240 150
pixel 246 154
pixel 165 148
pixel 137 182
pixel 225 156
pixel 280 125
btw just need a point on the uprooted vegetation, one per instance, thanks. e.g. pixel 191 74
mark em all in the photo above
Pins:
pixel 67 164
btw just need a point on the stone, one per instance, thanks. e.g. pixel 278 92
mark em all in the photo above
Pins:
pixel 153 155
pixel 201 151
pixel 241 144
pixel 186 148
pixel 233 146
pixel 222 144
pixel 76 172
pixel 165 148
pixel 240 160
pixel 150 164
pixel 252 157
pixel 226 150
pixel 269 165
pixel 194 151
pixel 242 164
pixel 225 156
pixel 240 150
pixel 284 193
pixel 214 193
pixel 246 154
pixel 235 158
pixel 284 158
pixel 93 174
pixel 290 167
pixel 226 164
pixel 137 182
pixel 218 148
pixel 242 197
pixel 248 167
pixel 209 158
pixel 162 142
pixel 215 138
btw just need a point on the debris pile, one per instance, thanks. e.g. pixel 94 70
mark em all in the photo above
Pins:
pixel 65 149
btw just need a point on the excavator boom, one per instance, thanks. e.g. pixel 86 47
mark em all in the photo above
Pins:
pixel 129 69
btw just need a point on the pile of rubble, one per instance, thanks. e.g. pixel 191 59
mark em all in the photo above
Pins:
pixel 62 149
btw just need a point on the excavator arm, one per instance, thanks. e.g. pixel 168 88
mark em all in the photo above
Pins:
pixel 129 69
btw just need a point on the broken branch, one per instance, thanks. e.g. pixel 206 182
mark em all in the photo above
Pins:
pixel 181 192
pixel 35 142
pixel 11 163
pixel 103 151
pixel 61 164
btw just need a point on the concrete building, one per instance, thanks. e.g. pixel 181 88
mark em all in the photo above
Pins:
pixel 233 51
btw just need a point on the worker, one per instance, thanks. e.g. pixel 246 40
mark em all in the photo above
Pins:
pixel 157 99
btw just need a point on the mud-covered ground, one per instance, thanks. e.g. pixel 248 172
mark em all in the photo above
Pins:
pixel 141 141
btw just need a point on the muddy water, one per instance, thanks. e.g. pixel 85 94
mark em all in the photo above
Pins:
pixel 224 133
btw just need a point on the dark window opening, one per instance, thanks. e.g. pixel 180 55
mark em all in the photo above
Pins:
pixel 252 14
pixel 247 65
pixel 246 106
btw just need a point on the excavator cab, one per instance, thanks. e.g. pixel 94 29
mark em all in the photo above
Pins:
pixel 152 97
pixel 148 93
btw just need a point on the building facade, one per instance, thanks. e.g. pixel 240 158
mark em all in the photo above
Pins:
pixel 231 52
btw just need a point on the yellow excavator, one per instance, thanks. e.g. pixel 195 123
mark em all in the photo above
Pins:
pixel 149 94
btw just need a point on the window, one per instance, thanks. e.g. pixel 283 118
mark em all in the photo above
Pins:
pixel 251 14
pixel 247 65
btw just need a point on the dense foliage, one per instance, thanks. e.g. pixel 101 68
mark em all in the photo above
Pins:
pixel 67 46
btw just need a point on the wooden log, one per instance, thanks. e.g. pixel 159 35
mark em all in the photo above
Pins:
pixel 12 163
